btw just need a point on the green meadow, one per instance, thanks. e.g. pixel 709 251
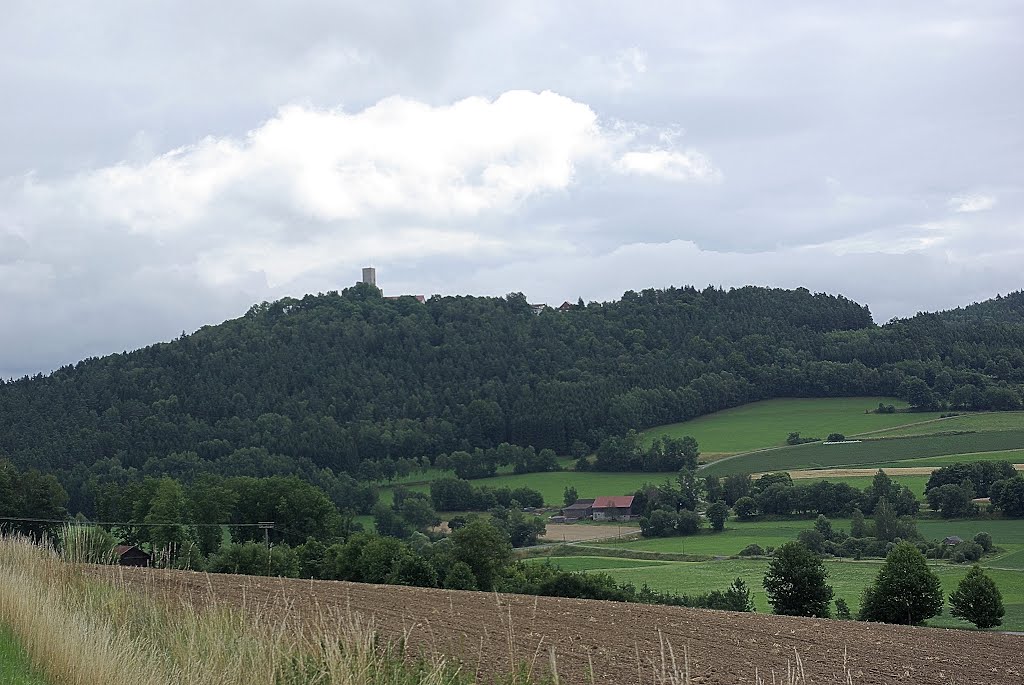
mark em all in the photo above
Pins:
pixel 848 580
pixel 1012 456
pixel 866 453
pixel 768 423
pixel 15 667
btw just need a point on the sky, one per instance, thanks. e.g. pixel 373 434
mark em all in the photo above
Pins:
pixel 165 165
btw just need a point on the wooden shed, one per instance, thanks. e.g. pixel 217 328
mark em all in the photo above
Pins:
pixel 580 509
pixel 130 555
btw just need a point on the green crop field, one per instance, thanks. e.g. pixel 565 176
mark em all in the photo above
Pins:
pixel 866 453
pixel 15 668
pixel 767 423
pixel 987 421
pixel 848 579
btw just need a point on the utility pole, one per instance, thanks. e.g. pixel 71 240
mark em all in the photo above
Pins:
pixel 266 527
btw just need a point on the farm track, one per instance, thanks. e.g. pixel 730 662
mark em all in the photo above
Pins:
pixel 622 641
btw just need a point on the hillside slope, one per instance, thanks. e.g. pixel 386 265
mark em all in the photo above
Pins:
pixel 624 643
pixel 349 381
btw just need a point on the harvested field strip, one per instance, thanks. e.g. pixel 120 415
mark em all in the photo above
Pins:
pixel 722 647
pixel 866 452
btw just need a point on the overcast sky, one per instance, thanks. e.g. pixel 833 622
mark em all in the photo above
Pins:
pixel 165 165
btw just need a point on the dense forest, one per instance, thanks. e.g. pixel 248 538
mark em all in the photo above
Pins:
pixel 342 387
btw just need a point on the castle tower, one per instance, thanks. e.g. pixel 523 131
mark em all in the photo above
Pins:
pixel 370 275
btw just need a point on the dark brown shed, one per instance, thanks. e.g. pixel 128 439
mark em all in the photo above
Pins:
pixel 130 555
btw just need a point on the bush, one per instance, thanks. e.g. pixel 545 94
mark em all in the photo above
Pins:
pixel 842 610
pixel 688 523
pixel 967 551
pixel 753 550
pixel 460 577
pixel 985 540
pixel 836 437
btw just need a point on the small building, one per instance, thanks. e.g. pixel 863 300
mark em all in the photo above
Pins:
pixel 537 308
pixel 613 508
pixel 566 306
pixel 580 509
pixel 130 555
pixel 952 540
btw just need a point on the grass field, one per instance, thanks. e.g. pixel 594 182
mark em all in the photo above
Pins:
pixel 848 579
pixel 987 421
pixel 767 423
pixel 867 452
pixel 15 668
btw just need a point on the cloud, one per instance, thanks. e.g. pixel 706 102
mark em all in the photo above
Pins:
pixel 972 203
pixel 399 156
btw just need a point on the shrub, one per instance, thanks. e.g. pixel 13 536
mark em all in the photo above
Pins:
pixel 842 610
pixel 753 550
pixel 688 523
pixel 985 540
pixel 460 577
pixel 836 437
pixel 967 551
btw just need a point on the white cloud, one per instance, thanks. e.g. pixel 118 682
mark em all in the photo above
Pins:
pixel 670 165
pixel 972 203
pixel 399 157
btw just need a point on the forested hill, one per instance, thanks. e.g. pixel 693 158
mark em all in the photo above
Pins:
pixel 1005 309
pixel 335 380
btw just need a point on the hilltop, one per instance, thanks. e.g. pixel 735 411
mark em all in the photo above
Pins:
pixel 342 380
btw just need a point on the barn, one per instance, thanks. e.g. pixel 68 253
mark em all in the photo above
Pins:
pixel 130 555
pixel 580 509
pixel 613 508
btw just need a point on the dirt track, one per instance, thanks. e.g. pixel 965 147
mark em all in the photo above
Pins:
pixel 621 640
pixel 575 532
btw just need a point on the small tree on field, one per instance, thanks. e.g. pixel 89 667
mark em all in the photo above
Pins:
pixel 569 495
pixel 842 610
pixel 836 437
pixel 904 591
pixel 978 600
pixel 886 521
pixel 746 508
pixel 718 513
pixel 795 582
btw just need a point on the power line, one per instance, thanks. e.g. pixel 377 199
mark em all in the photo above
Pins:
pixel 131 523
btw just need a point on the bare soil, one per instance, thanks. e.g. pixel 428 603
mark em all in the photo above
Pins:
pixel 576 532
pixel 622 643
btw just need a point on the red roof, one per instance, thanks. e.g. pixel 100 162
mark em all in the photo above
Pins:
pixel 624 502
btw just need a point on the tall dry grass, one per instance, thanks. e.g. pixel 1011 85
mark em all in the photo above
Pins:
pixel 82 631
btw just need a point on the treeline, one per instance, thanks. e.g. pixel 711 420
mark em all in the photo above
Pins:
pixel 356 384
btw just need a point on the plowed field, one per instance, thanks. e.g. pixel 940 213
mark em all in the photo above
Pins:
pixel 624 643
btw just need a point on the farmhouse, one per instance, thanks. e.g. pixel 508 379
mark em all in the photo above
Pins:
pixel 580 509
pixel 613 508
pixel 130 555
pixel 952 540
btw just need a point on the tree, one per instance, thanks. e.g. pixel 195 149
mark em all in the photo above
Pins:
pixel 460 577
pixel 836 437
pixel 718 513
pixel 857 526
pixel 746 508
pixel 952 500
pixel 484 548
pixel 904 591
pixel 842 610
pixel 569 495
pixel 688 523
pixel 796 582
pixel 168 519
pixel 978 600
pixel 886 521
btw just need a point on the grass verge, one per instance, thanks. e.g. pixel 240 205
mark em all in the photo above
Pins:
pixel 15 667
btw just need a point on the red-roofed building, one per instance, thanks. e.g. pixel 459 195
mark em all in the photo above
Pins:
pixel 613 508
